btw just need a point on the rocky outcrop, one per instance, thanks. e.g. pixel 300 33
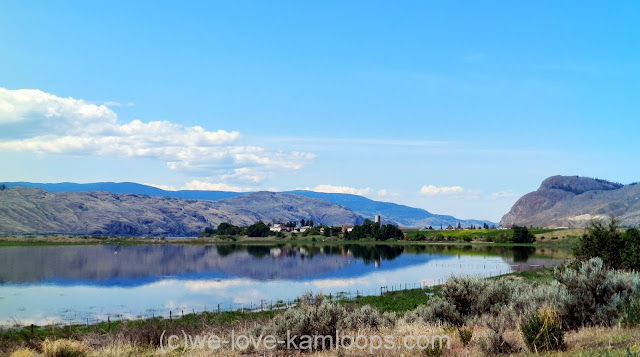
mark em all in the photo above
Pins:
pixel 573 201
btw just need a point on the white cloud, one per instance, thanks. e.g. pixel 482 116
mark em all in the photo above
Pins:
pixel 341 189
pixel 208 186
pixel 432 190
pixel 162 187
pixel 43 123
pixel 244 174
pixel 384 193
pixel 503 194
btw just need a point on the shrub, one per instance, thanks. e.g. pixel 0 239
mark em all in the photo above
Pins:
pixel 494 342
pixel 543 331
pixel 434 350
pixel 630 315
pixel 64 348
pixel 389 318
pixel 313 317
pixel 463 292
pixel 440 310
pixel 528 299
pixel 594 294
pixel 496 294
pixel 146 333
pixel 465 335
pixel 365 316
pixel 630 254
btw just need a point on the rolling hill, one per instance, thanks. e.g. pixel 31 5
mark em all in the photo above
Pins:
pixel 401 215
pixel 34 211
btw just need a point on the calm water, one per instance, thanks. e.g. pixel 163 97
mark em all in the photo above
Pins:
pixel 52 284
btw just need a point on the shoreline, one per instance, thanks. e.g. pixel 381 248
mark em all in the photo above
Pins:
pixel 7 241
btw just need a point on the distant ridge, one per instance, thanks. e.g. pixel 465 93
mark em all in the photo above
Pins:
pixel 34 211
pixel 127 187
pixel 391 212
pixel 574 201
pixel 401 215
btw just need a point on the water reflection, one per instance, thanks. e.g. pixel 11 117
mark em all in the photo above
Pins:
pixel 47 283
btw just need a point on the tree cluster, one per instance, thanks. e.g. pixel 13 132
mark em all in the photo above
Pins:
pixel 258 229
pixel 521 234
pixel 617 249
pixel 372 230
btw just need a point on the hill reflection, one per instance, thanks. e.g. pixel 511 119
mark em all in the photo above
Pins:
pixel 140 264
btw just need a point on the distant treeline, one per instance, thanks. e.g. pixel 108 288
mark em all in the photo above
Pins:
pixel 367 230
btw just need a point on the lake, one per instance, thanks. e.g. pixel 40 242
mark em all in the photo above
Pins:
pixel 80 283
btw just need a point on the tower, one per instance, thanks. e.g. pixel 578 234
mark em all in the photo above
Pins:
pixel 376 219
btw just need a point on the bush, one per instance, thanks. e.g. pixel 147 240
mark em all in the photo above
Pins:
pixel 440 310
pixel 463 293
pixel 543 331
pixel 389 318
pixel 494 342
pixel 434 350
pixel 313 317
pixel 496 294
pixel 594 295
pixel 147 333
pixel 365 316
pixel 64 348
pixel 528 299
pixel 630 254
pixel 630 316
pixel 465 335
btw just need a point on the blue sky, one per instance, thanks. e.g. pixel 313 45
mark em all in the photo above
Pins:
pixel 455 107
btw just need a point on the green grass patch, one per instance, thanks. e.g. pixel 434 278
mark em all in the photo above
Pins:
pixel 396 301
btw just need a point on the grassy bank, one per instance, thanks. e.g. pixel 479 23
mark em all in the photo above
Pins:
pixel 397 313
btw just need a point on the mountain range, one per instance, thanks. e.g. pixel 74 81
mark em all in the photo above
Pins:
pixel 34 211
pixel 392 213
pixel 574 201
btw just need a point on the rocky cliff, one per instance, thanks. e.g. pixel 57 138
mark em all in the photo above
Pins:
pixel 574 201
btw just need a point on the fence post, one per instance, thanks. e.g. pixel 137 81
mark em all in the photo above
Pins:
pixel 170 315
pixel 108 323
pixel 218 308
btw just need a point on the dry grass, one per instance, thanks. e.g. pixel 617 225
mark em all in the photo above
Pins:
pixel 64 348
pixel 594 341
pixel 560 234
pixel 24 352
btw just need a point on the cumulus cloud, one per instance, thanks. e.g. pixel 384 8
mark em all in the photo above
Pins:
pixel 341 189
pixel 208 186
pixel 431 190
pixel 244 174
pixel 43 123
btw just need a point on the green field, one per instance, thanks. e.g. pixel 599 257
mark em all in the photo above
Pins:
pixel 480 235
